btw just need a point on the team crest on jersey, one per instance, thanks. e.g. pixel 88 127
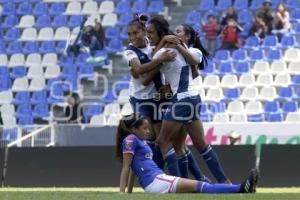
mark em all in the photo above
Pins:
pixel 129 145
pixel 149 155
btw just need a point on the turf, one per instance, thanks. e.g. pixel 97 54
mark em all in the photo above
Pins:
pixel 112 194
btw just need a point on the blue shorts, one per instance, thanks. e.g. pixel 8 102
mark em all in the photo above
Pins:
pixel 147 107
pixel 185 110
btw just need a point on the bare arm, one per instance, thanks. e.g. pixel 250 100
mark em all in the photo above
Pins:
pixel 147 78
pixel 187 55
pixel 130 182
pixel 127 158
pixel 195 72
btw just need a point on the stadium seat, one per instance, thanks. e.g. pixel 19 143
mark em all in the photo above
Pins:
pixel 49 59
pixel 292 4
pixel 294 68
pixel 278 67
pixel 235 107
pixel 139 6
pixel 109 19
pixel 292 54
pixel 295 15
pixel 239 55
pixel 40 8
pixel 9 9
pixel 52 72
pixel 23 110
pixel 288 41
pixel 112 108
pixel 211 81
pixel 256 118
pixel 256 4
pixel 14 48
pixel 33 59
pixel 285 93
pixel 18 72
pixel 24 8
pixel 6 97
pixel 214 95
pixel 5 83
pixel 109 96
pixel 123 96
pixel 7 110
pixel 4 71
pixel 229 81
pixel 10 132
pixel 123 34
pixel 73 8
pixel 290 106
pixel 223 5
pixel 222 56
pixel 210 68
pixel 292 117
pixel 35 71
pixel 114 46
pixel 296 80
pixel 238 118
pixel 270 41
pixel 206 5
pixel 271 107
pixel 10 21
pixel 232 94
pixel 240 5
pixel 31 47
pixel 264 80
pixel 99 120
pixel 225 68
pixel 29 34
pixel 126 109
pixel 124 19
pixel 275 117
pixel 274 54
pixel 260 67
pixel 62 33
pixel 56 8
pixel 217 107
pixel 17 60
pixel 43 21
pixel 39 97
pixel 59 21
pixel 47 47
pixel 221 118
pixel 256 55
pixel 244 16
pixel 282 80
pixel 75 21
pixel 112 33
pixel 249 94
pixel 40 111
pixel 89 8
pixel 12 34
pixel 156 6
pixel 122 7
pixel 192 17
pixel 267 93
pixel 106 7
pixel 242 68
pixel 25 120
pixel 37 83
pixel 91 110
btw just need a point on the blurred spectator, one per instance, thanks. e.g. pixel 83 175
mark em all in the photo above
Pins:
pixel 74 115
pixel 258 28
pixel 281 21
pixel 230 13
pixel 211 29
pixel 230 35
pixel 265 14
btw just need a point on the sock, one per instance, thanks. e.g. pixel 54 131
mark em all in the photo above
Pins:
pixel 194 167
pixel 213 163
pixel 183 166
pixel 172 163
pixel 153 148
pixel 159 158
pixel 203 187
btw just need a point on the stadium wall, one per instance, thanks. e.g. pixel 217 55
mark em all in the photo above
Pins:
pixel 97 167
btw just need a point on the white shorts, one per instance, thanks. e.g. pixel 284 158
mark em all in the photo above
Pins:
pixel 163 184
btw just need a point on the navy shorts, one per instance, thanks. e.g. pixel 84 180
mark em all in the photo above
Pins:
pixel 185 110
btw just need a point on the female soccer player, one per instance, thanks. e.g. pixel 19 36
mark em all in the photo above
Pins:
pixel 185 106
pixel 134 153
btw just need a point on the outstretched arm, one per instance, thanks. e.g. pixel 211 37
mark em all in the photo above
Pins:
pixel 127 159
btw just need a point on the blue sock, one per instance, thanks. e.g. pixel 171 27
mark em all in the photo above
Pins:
pixel 193 166
pixel 172 163
pixel 159 158
pixel 153 148
pixel 213 163
pixel 203 187
pixel 183 166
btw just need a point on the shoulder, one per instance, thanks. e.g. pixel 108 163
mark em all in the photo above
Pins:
pixel 130 138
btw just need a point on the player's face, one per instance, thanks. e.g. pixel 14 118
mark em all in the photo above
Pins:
pixel 143 131
pixel 136 36
pixel 179 31
pixel 152 35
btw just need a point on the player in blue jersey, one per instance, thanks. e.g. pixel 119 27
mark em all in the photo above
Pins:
pixel 185 106
pixel 135 154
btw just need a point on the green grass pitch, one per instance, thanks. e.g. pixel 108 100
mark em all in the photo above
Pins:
pixel 112 194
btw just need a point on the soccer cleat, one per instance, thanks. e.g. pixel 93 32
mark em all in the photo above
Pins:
pixel 249 185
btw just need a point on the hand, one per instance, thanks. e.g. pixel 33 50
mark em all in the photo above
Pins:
pixel 171 39
pixel 168 56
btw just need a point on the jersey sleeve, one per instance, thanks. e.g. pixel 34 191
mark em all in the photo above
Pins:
pixel 129 55
pixel 196 53
pixel 158 53
pixel 129 145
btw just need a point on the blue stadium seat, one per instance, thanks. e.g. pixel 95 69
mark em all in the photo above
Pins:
pixel 256 4
pixel 275 117
pixel 109 97
pixel 75 20
pixel 14 48
pixel 271 107
pixel 240 5
pixel 48 47
pixel 43 21
pixel 23 110
pixel 81 59
pixel 245 16
pixel 210 68
pixel 295 15
pixel 206 117
pixel 256 55
pixel 296 80
pixel 225 68
pixel 285 93
pixel 231 94
pixel 18 72
pixel 4 71
pixel 292 4
pixel 222 56
pixel 290 106
pixel 256 118
pixel 60 46
pixel 2 48
pixel 139 6
pixel 31 47
pixel 24 9
pixel 275 3
pixel 242 68
pixel 92 110
pixel 124 19
pixel 112 32
pixel 274 54
pixel 69 70
pixel 55 86
pixel 114 45
pixel 72 83
pixel 8 9
pixel 86 70
pixel 59 21
pixel 206 5
pixel 156 6
pixel 270 41
pixel 239 55
pixel 12 34
pixel 223 5
pixel 40 8
pixel 121 86
pixel 57 8
pixel 122 7
pixel 5 83
pixel 288 41
pixel 125 78
pixel 10 134
pixel 205 109
pixel 246 29
pixel 192 17
pixel 22 97
pixel 40 111
pixel 39 97
pixel 10 21
pixel 296 96
pixel 25 120
pixel 124 34
pixel 217 107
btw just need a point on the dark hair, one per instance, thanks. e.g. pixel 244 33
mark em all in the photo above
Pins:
pixel 134 120
pixel 139 20
pixel 195 42
pixel 161 26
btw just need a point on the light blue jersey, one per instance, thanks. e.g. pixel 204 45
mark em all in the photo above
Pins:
pixel 142 164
